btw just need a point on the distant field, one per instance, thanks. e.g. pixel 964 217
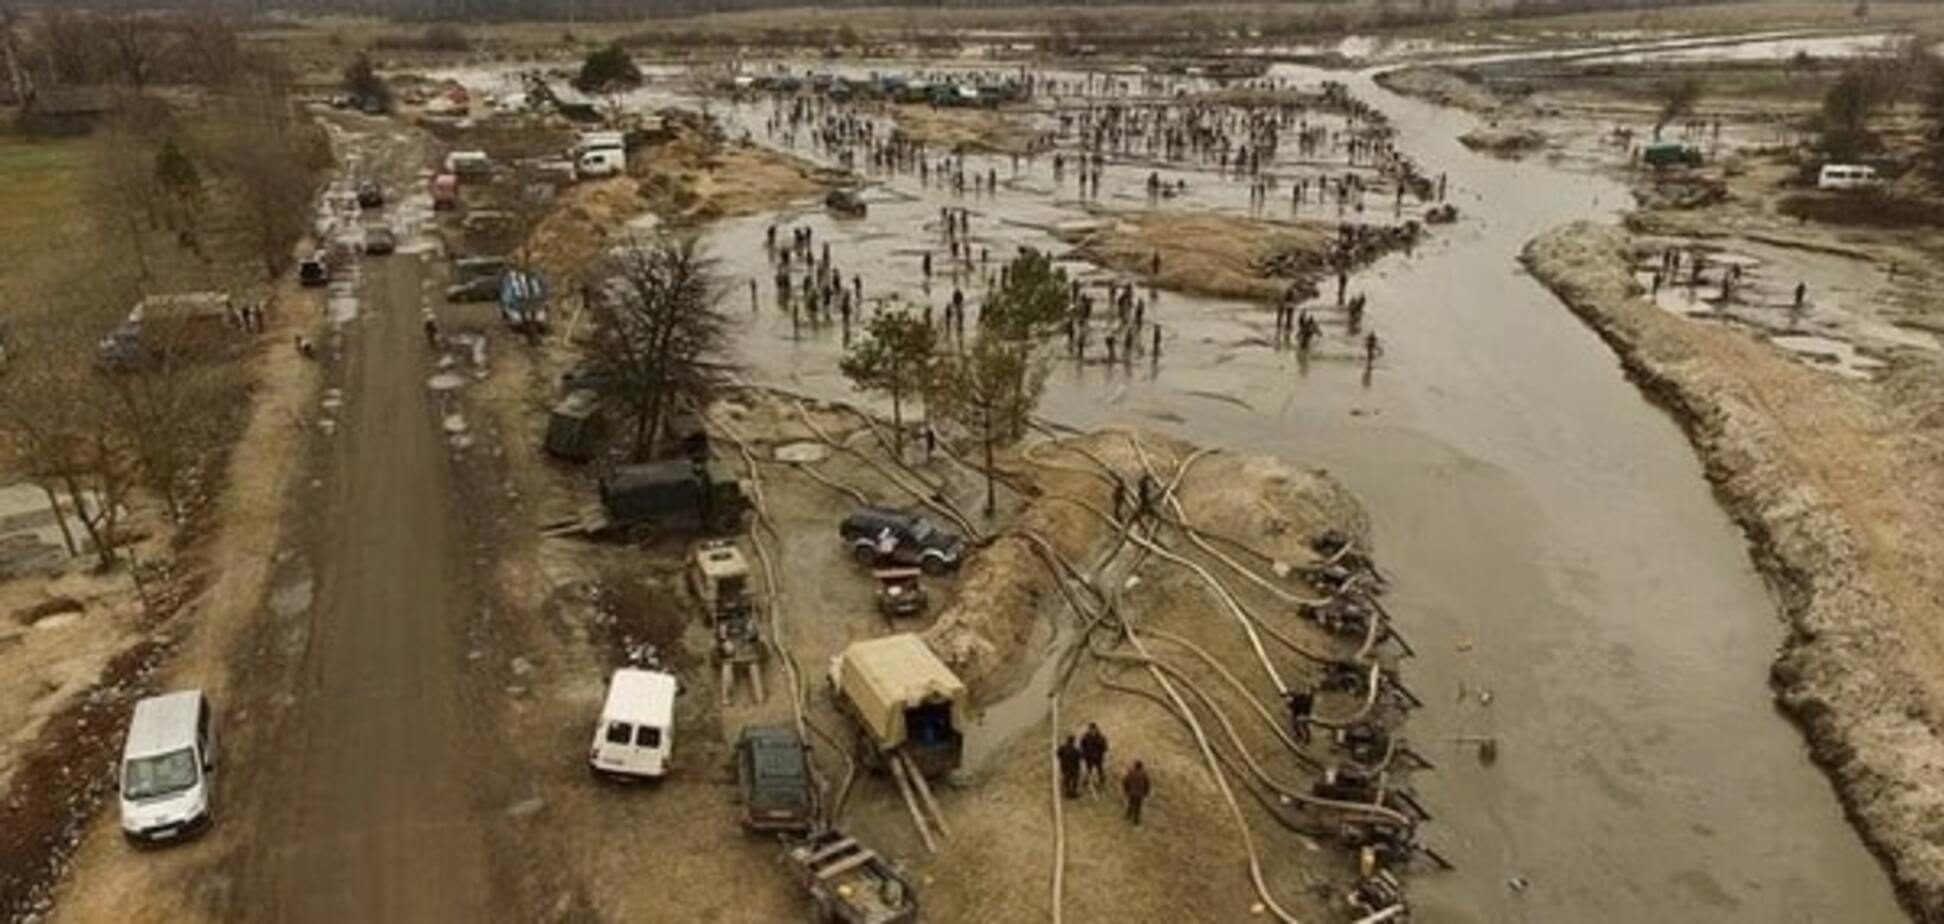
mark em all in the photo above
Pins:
pixel 41 182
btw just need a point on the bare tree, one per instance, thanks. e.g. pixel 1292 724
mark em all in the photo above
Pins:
pixel 208 52
pixel 658 331
pixel 896 358
pixel 135 42
pixel 260 147
pixel 991 389
pixel 18 76
pixel 1677 98
pixel 69 46
pixel 122 190
pixel 53 426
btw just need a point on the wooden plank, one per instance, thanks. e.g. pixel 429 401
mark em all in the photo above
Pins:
pixel 925 795
pixel 911 802
pixel 829 850
pixel 845 865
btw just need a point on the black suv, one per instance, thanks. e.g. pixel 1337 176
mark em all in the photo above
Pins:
pixel 370 195
pixel 879 537
pixel 773 779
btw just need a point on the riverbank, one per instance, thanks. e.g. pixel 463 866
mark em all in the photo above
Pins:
pixel 1838 484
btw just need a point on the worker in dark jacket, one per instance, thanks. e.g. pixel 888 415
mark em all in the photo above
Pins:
pixel 1135 786
pixel 1093 754
pixel 1068 755
pixel 1302 703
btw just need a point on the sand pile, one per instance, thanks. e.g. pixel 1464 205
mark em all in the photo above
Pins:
pixel 1511 141
pixel 1216 255
pixel 1007 591
pixel 1839 484
pixel 584 222
pixel 974 130
pixel 691 178
pixel 1440 86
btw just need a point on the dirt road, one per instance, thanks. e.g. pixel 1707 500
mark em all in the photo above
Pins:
pixel 367 807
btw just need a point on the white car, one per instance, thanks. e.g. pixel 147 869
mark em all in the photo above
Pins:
pixel 636 734
pixel 1846 176
pixel 167 762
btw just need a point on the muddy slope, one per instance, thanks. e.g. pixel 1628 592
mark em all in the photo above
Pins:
pixel 1837 486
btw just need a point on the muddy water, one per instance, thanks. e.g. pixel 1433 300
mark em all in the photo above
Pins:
pixel 1554 543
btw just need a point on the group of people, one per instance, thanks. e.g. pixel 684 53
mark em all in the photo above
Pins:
pixel 1241 135
pixel 1082 760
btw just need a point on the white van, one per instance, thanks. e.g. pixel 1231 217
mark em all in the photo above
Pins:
pixel 595 141
pixel 166 766
pixel 601 162
pixel 1846 176
pixel 637 729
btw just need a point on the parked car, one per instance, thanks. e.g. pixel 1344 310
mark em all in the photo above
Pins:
pixel 636 734
pixel 879 537
pixel 601 162
pixel 370 195
pixel 476 279
pixel 167 761
pixel 380 240
pixel 315 270
pixel 1846 176
pixel 773 780
pixel 846 202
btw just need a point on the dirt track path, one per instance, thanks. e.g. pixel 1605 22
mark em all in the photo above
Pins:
pixel 368 813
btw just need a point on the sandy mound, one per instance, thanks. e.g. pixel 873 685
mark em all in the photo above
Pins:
pixel 692 178
pixel 585 220
pixel 1503 140
pixel 1217 255
pixel 1007 589
pixel 1440 86
pixel 975 130
pixel 1841 487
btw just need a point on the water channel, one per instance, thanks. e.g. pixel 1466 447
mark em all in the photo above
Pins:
pixel 1558 560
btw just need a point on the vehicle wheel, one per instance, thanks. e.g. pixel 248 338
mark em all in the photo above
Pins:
pixel 933 565
pixel 864 554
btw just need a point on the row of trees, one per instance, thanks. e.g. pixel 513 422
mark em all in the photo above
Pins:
pixel 1868 87
pixel 207 197
pixel 992 386
pixel 658 337
pixel 61 46
pixel 89 432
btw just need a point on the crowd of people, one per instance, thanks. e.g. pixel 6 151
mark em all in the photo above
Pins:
pixel 1327 148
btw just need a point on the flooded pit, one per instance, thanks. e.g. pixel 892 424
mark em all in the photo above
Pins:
pixel 1551 535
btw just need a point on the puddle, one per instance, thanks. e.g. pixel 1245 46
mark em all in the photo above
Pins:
pixel 1001 723
pixel 1837 356
pixel 292 598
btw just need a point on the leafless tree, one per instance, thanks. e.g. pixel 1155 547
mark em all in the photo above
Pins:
pixel 134 40
pixel 658 331
pixel 69 47
pixel 265 153
pixel 52 424
pixel 18 75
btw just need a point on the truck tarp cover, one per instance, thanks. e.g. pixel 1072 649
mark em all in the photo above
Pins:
pixel 652 489
pixel 883 677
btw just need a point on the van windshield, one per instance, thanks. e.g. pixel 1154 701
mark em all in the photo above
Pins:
pixel 155 777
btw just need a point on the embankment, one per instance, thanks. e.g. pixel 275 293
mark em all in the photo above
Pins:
pixel 1840 488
